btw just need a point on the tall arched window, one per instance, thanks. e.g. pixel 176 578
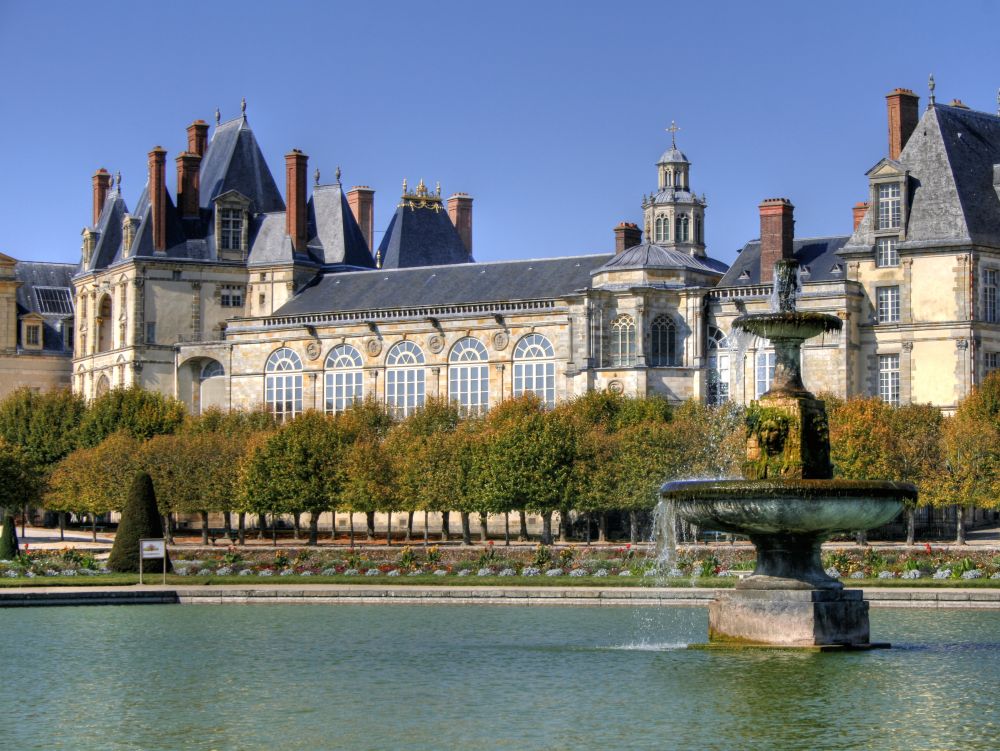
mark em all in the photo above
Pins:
pixel 404 378
pixel 344 379
pixel 103 386
pixel 534 369
pixel 663 333
pixel 681 228
pixel 718 366
pixel 469 376
pixel 104 324
pixel 698 231
pixel 623 341
pixel 662 230
pixel 283 384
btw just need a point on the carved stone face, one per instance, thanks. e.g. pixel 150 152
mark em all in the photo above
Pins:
pixel 772 438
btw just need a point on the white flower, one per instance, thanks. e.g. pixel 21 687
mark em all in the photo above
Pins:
pixel 832 572
pixel 886 575
pixel 973 574
pixel 913 573
pixel 858 575
pixel 440 572
pixel 205 572
pixel 329 572
pixel 224 571
pixel 626 572
pixel 554 572
pixel 394 572
pixel 530 571
pixel 246 572
pixel 485 571
pixel 507 572
pixel 601 572
pixel 351 572
pixel 465 572
pixel 579 572
pixel 942 573
pixel 267 572
pixel 372 572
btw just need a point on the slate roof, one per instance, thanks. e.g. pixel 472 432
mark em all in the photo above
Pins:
pixel 675 195
pixel 651 256
pixel 452 284
pixel 817 257
pixel 109 225
pixel 421 237
pixel 673 155
pixel 950 158
pixel 233 161
pixel 34 274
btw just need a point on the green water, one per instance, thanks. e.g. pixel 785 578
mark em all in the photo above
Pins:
pixel 352 677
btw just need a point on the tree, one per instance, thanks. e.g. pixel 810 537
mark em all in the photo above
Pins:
pixel 134 410
pixel 368 486
pixel 140 520
pixel 917 453
pixel 8 539
pixel 19 482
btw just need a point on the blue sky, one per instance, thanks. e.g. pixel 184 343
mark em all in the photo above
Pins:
pixel 551 114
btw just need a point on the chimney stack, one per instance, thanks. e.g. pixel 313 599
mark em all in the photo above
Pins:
pixel 361 199
pixel 627 235
pixel 158 197
pixel 460 213
pixel 198 137
pixel 860 209
pixel 188 184
pixel 102 184
pixel 295 197
pixel 903 117
pixel 777 233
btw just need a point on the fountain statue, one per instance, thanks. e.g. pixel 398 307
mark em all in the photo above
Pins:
pixel 788 504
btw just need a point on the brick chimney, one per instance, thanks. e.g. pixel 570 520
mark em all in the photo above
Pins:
pixel 198 137
pixel 460 213
pixel 627 235
pixel 295 197
pixel 188 180
pixel 361 199
pixel 102 184
pixel 777 231
pixel 860 209
pixel 158 197
pixel 903 117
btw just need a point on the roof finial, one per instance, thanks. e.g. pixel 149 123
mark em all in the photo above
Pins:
pixel 437 189
pixel 672 130
pixel 337 174
pixel 218 116
pixel 404 186
pixel 118 181
pixel 930 85
pixel 316 176
pixel 243 106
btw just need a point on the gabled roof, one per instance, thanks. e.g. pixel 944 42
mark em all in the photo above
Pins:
pixel 419 236
pixel 817 257
pixel 336 236
pixel 33 275
pixel 452 284
pixel 233 161
pixel 651 256
pixel 109 225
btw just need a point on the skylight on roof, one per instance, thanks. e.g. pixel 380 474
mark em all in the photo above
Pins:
pixel 54 300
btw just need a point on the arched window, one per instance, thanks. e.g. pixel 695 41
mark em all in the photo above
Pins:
pixel 469 376
pixel 283 384
pixel 663 333
pixel 404 383
pixel 212 369
pixel 344 381
pixel 103 386
pixel 718 366
pixel 681 228
pixel 698 236
pixel 534 369
pixel 662 230
pixel 623 341
pixel 104 324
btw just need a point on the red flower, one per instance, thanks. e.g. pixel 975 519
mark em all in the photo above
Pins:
pixel 927 547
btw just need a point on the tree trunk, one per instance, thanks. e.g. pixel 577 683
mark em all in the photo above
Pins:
pixel 466 531
pixel 522 519
pixel 62 525
pixel 261 526
pixel 602 527
pixel 861 538
pixel 409 526
pixel 241 524
pixel 633 527
pixel 445 531
pixel 960 525
pixel 350 528
pixel 296 524
pixel 911 525
pixel 24 520
pixel 227 524
pixel 484 534
pixel 167 532
pixel 171 526
pixel 506 528
pixel 587 520
pixel 426 531
pixel 204 527
pixel 274 529
pixel 314 528
pixel 388 529
pixel 547 528
pixel 564 522
pixel 370 523
pixel 93 527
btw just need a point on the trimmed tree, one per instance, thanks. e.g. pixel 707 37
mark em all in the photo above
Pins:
pixel 8 539
pixel 140 520
pixel 136 411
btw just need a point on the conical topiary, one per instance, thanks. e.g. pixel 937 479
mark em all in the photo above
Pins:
pixel 8 539
pixel 140 520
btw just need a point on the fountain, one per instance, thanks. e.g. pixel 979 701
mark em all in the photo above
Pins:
pixel 788 504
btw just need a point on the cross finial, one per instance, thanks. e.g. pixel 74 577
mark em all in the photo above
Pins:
pixel 337 174
pixel 672 130
pixel 243 106
pixel 930 85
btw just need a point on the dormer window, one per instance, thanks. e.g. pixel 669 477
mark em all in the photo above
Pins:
pixel 33 335
pixel 231 229
pixel 889 206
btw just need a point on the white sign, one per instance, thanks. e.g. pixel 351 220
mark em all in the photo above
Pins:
pixel 153 548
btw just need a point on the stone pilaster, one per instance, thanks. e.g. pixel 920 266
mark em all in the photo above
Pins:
pixel 906 373
pixel 139 311
pixel 640 336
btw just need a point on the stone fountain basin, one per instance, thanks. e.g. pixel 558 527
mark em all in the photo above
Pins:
pixel 791 325
pixel 796 507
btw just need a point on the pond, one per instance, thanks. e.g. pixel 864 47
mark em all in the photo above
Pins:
pixel 356 677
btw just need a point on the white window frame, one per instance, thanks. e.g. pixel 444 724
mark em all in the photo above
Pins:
pixel 535 369
pixel 887 304
pixel 469 376
pixel 718 375
pixel 623 341
pixel 283 384
pixel 343 379
pixel 404 378
pixel 888 378
pixel 886 252
pixel 764 366
pixel 991 280
pixel 890 205
pixel 663 342
pixel 231 228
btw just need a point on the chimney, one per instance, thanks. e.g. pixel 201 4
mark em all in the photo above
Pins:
pixel 627 235
pixel 777 231
pixel 460 213
pixel 959 103
pixel 295 196
pixel 361 199
pixel 158 197
pixel 860 209
pixel 902 106
pixel 188 180
pixel 198 137
pixel 102 184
